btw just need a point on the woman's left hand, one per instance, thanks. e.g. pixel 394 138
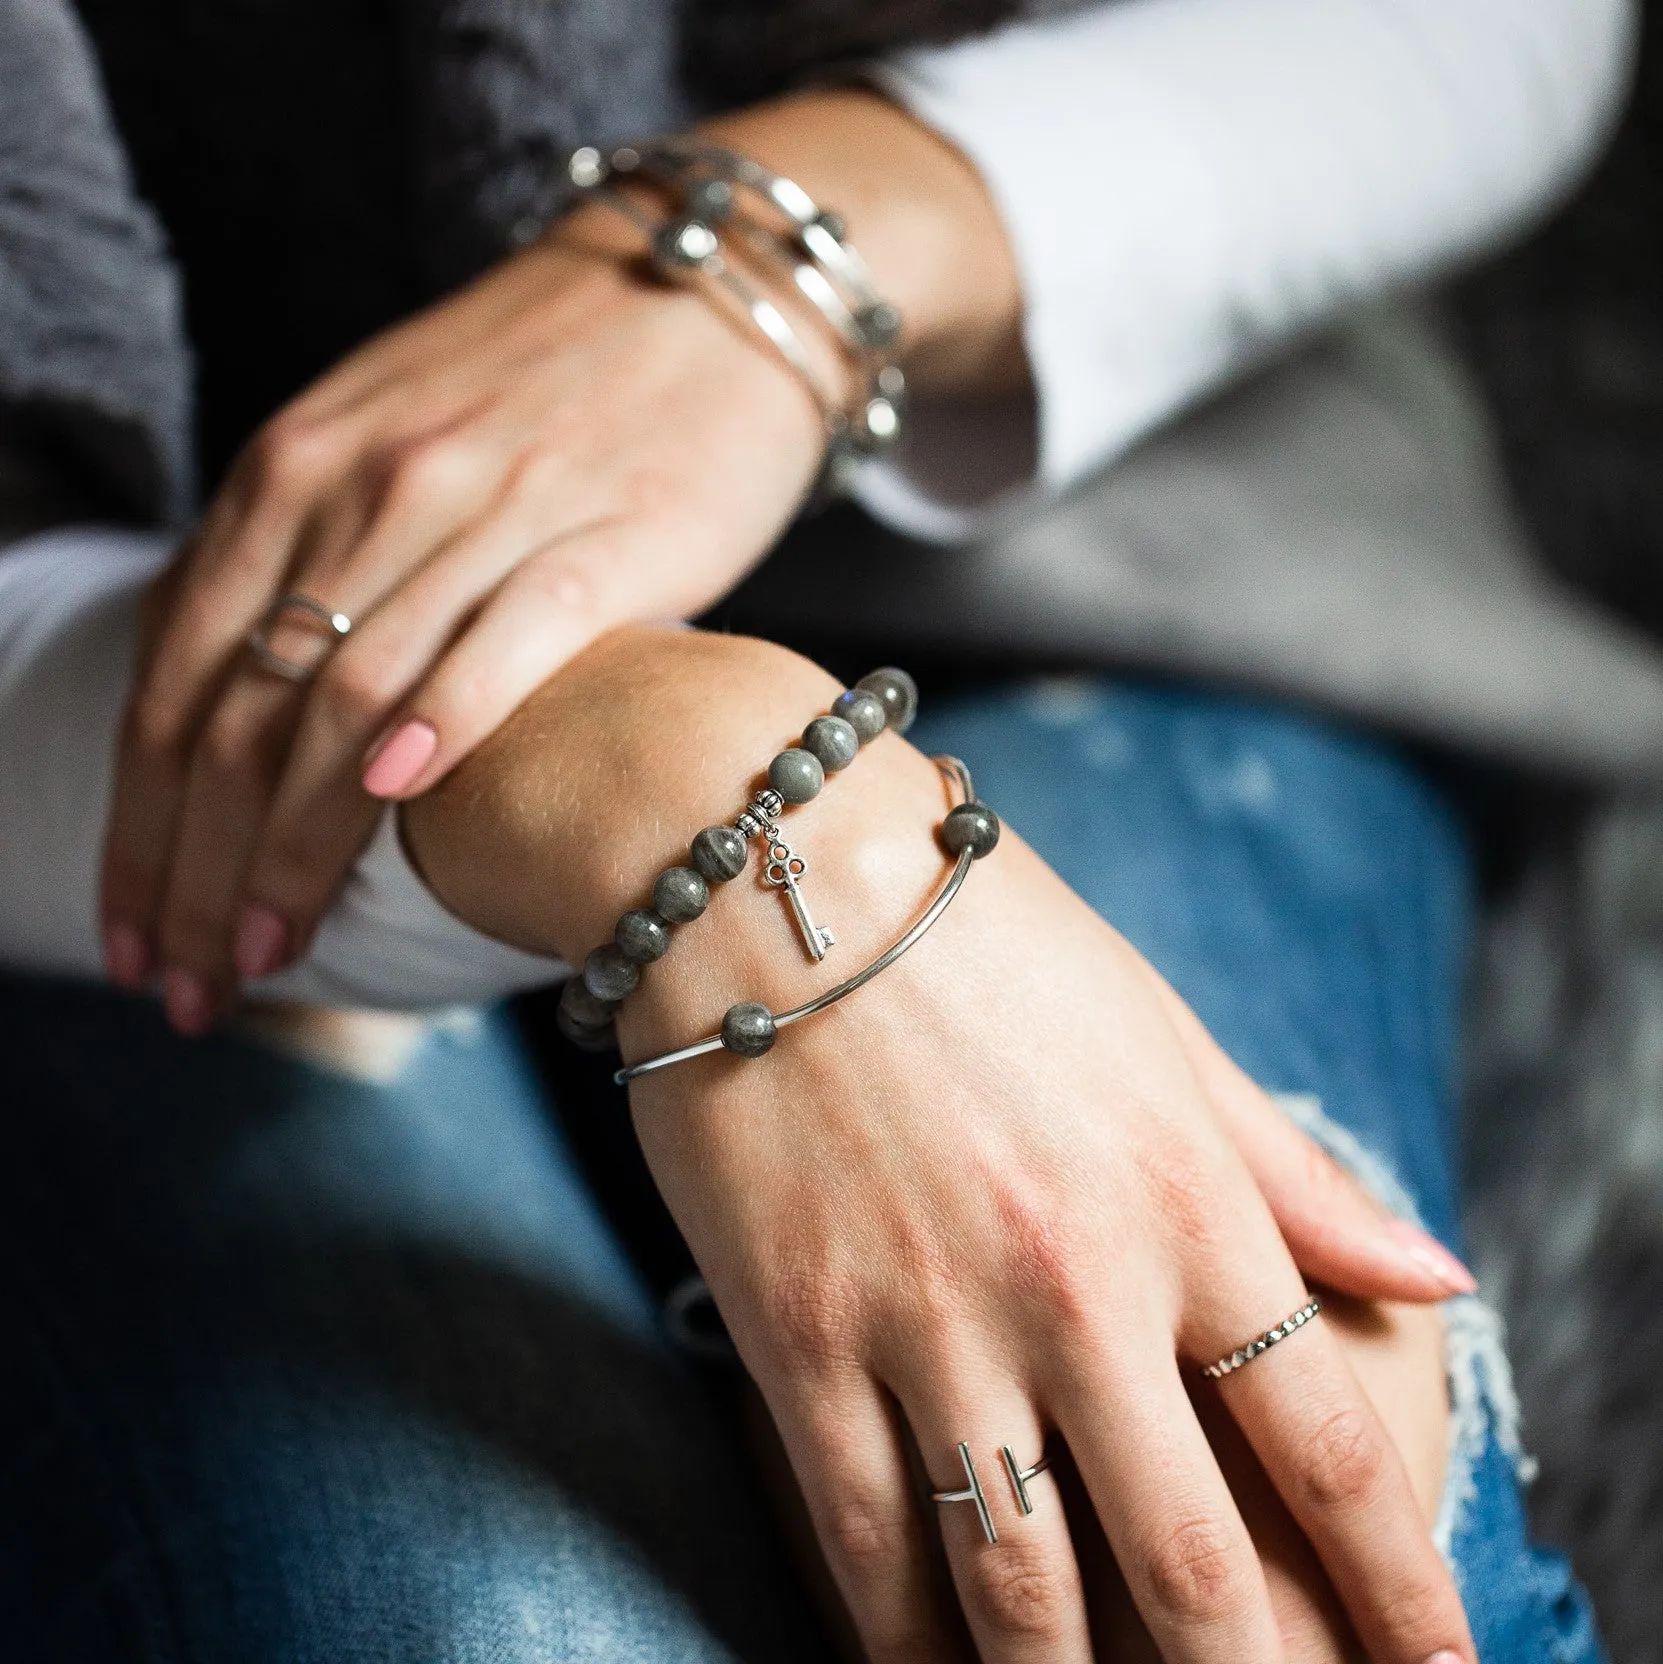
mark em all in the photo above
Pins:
pixel 558 449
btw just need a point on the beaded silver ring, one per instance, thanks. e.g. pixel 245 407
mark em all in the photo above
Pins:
pixel 1255 1348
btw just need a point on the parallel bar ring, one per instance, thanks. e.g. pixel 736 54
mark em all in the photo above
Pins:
pixel 1019 1476
pixel 259 638
pixel 972 1493
pixel 1246 1354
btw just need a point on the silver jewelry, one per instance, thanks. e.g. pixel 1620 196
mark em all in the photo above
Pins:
pixel 750 1029
pixel 1246 1354
pixel 686 249
pixel 1019 1476
pixel 812 247
pixel 972 1493
pixel 313 611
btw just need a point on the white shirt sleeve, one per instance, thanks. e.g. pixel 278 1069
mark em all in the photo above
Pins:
pixel 68 628
pixel 1188 184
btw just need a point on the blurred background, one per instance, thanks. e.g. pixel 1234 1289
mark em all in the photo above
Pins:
pixel 1566 1087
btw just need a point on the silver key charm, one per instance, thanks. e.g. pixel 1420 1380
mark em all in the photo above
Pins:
pixel 784 867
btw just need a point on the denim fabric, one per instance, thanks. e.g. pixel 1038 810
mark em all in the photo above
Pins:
pixel 301 1368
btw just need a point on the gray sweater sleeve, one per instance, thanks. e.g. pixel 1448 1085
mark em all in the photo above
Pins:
pixel 93 361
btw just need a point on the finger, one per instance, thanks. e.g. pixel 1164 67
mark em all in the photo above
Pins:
pixel 1176 1532
pixel 233 771
pixel 1338 1234
pixel 1333 1463
pixel 321 815
pixel 1021 1594
pixel 848 1450
pixel 547 610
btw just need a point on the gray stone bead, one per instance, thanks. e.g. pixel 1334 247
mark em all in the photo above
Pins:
pixel 863 711
pixel 602 1039
pixel 833 741
pixel 642 935
pixel 971 826
pixel 720 853
pixel 680 895
pixel 582 1010
pixel 748 1030
pixel 898 692
pixel 796 775
pixel 608 975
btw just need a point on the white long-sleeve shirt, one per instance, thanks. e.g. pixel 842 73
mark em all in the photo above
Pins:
pixel 1187 184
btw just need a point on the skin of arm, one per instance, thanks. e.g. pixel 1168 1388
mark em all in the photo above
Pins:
pixel 549 831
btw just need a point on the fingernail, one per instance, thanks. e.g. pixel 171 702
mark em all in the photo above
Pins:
pixel 126 955
pixel 1446 1655
pixel 393 766
pixel 187 1005
pixel 1434 1259
pixel 262 940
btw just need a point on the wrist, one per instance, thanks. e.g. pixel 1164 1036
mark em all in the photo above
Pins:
pixel 563 819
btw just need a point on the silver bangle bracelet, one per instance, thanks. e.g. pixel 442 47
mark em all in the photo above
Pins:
pixel 825 268
pixel 681 250
pixel 749 1029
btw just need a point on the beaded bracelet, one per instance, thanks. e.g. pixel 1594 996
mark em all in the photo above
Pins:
pixel 883 699
pixel 750 1029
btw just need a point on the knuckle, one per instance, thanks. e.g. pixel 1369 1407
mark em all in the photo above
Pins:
pixel 1344 1460
pixel 1193 1571
pixel 288 456
pixel 865 1536
pixel 1020 1595
pixel 1049 1262
pixel 815 1318
pixel 1182 1190
pixel 426 470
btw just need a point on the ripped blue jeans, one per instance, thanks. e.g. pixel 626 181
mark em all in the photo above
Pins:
pixel 307 1368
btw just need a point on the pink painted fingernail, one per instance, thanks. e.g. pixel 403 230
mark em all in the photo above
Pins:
pixel 126 955
pixel 393 766
pixel 1432 1257
pixel 261 942
pixel 1446 1655
pixel 186 1003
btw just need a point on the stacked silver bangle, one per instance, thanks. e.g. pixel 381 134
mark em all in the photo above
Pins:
pixel 719 189
pixel 884 699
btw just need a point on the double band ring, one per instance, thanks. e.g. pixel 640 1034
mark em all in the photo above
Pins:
pixel 1246 1354
pixel 303 608
pixel 1018 1475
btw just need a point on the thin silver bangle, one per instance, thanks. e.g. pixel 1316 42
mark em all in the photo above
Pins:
pixel 958 774
pixel 685 255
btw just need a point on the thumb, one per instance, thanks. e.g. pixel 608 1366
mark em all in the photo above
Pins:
pixel 1336 1231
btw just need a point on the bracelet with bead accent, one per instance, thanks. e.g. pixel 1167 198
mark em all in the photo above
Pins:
pixel 750 1029
pixel 884 699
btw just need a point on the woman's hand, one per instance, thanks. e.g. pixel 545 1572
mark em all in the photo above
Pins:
pixel 993 1198
pixel 483 490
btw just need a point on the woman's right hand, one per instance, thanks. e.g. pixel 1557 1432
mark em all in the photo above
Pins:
pixel 997 1196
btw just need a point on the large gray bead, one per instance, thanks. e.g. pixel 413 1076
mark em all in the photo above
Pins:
pixel 608 974
pixel 585 1039
pixel 898 692
pixel 971 826
pixel 642 935
pixel 582 1010
pixel 833 741
pixel 796 775
pixel 720 853
pixel 748 1030
pixel 680 895
pixel 863 711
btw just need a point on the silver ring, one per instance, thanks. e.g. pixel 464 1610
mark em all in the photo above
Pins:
pixel 1019 1476
pixel 313 611
pixel 972 1493
pixel 1246 1354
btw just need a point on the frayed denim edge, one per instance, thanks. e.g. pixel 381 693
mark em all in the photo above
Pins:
pixel 1481 1395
